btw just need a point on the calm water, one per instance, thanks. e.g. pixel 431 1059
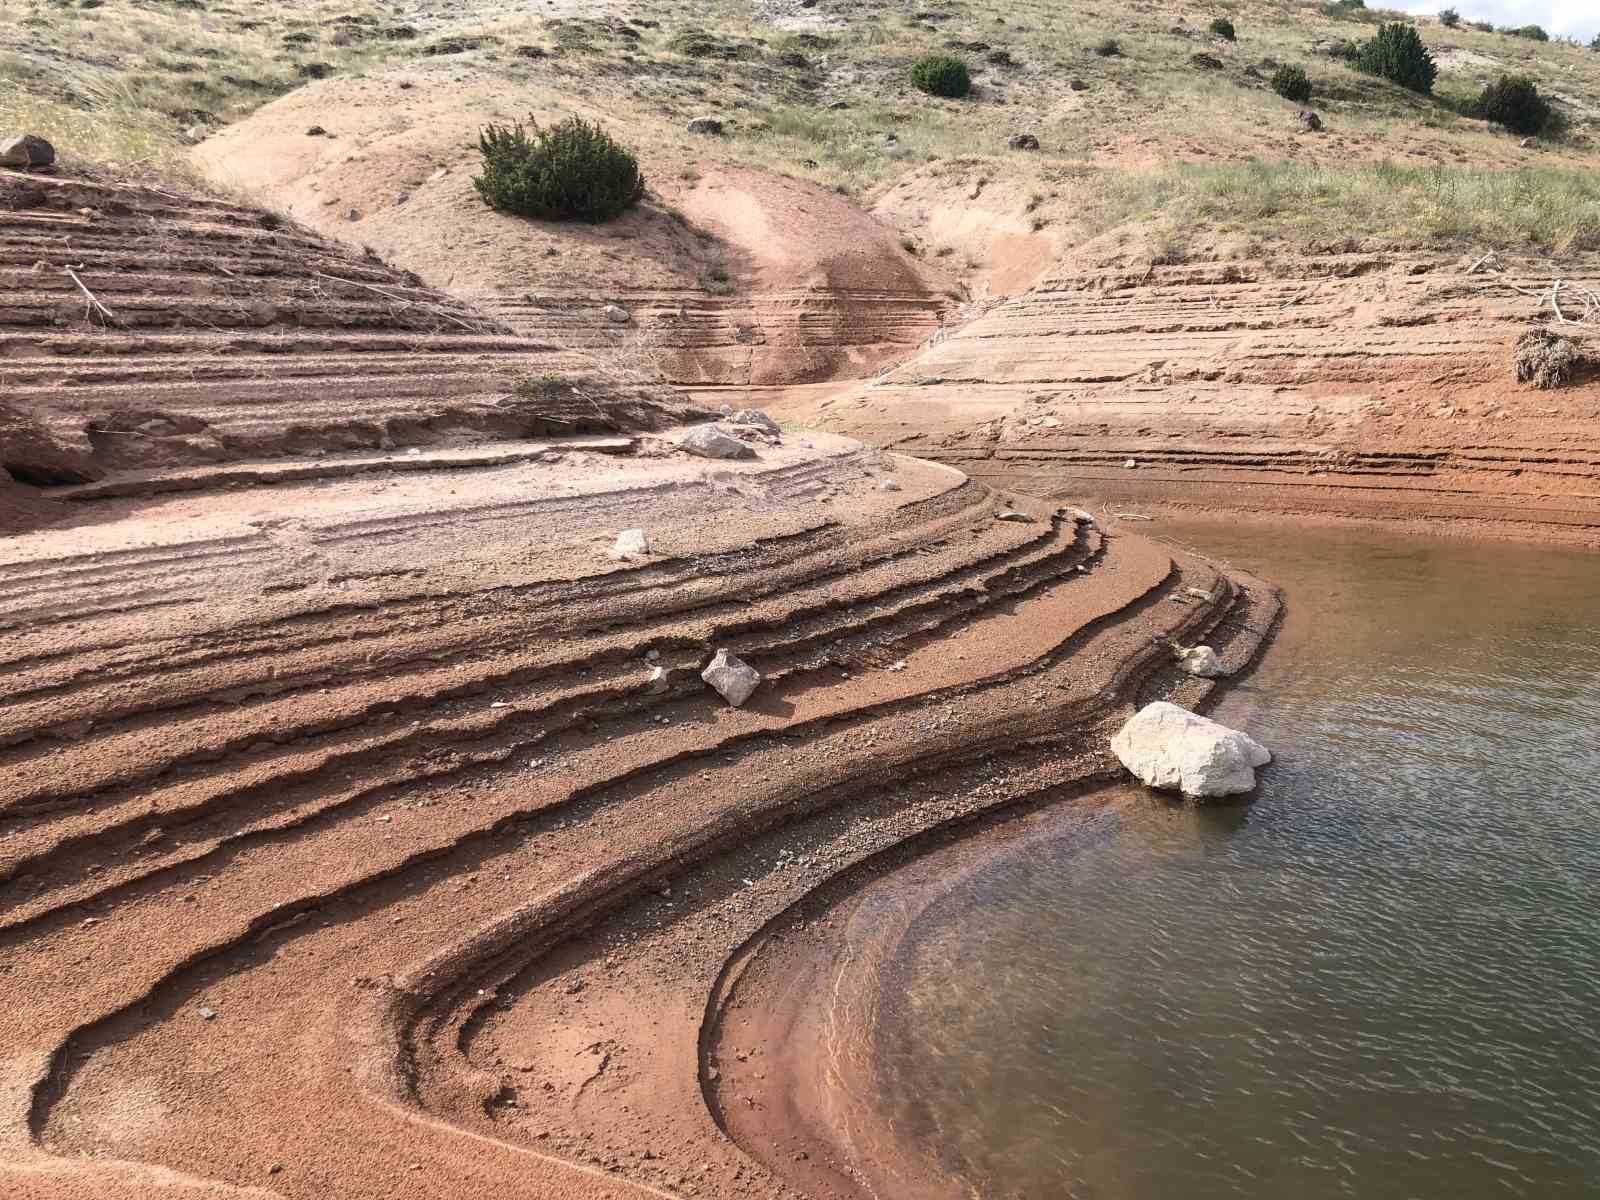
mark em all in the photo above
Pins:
pixel 1379 978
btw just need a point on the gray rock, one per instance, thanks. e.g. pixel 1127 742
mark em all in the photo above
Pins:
pixel 658 680
pixel 1201 661
pixel 631 543
pixel 1023 141
pixel 733 678
pixel 709 125
pixel 1011 514
pixel 26 150
pixel 1169 747
pixel 707 441
pixel 888 485
pixel 617 315
pixel 1309 121
pixel 208 1014
pixel 754 416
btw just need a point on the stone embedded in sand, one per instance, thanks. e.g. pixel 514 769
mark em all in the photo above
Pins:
pixel 1170 747
pixel 708 441
pixel 1131 465
pixel 26 150
pixel 1011 514
pixel 710 125
pixel 1023 141
pixel 888 485
pixel 631 543
pixel 754 416
pixel 617 315
pixel 1201 661
pixel 732 677
pixel 657 682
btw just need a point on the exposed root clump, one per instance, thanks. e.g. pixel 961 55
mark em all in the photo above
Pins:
pixel 1545 359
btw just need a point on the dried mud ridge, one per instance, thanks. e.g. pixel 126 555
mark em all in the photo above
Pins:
pixel 1356 385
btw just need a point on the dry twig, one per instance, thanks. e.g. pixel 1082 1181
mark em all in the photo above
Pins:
pixel 94 305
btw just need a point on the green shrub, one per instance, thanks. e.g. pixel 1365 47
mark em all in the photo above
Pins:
pixel 1449 18
pixel 1514 101
pixel 1223 28
pixel 1534 33
pixel 571 171
pixel 1482 26
pixel 1396 53
pixel 942 75
pixel 1110 48
pixel 1292 83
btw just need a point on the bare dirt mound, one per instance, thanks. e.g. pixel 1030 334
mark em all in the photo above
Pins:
pixel 1352 384
pixel 728 275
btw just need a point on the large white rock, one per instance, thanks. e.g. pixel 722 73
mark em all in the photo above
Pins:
pixel 1173 748
pixel 710 442
pixel 733 678
pixel 1201 661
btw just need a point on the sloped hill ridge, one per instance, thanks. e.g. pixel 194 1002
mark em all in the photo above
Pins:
pixel 1353 384
pixel 147 329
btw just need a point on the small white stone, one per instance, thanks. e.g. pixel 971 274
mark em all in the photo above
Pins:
pixel 631 543
pixel 733 678
pixel 658 680
pixel 888 485
pixel 1131 464
pixel 1201 661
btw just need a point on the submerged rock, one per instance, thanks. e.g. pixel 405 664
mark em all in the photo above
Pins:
pixel 1170 747
pixel 710 442
pixel 1201 661
pixel 732 677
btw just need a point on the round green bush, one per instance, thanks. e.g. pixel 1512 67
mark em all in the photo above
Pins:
pixel 572 171
pixel 941 75
pixel 1222 27
pixel 1449 18
pixel 1292 83
pixel 1514 101
pixel 1396 53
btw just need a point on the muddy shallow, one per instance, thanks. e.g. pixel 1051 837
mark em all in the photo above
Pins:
pixel 1378 979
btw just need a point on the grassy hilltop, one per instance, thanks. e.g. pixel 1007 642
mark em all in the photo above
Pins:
pixel 1146 118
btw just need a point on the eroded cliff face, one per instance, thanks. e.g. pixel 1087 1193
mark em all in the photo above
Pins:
pixel 1363 385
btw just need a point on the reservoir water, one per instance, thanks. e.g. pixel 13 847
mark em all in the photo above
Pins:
pixel 1379 977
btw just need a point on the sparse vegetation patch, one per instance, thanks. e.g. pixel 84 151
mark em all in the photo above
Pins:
pixel 941 75
pixel 1514 102
pixel 1545 358
pixel 1396 53
pixel 1292 83
pixel 571 171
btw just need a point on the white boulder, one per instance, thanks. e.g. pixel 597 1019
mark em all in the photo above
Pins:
pixel 733 678
pixel 1201 661
pixel 617 315
pixel 631 543
pixel 708 441
pixel 1170 747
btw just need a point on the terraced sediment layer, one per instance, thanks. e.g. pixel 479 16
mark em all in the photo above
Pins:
pixel 1353 384
pixel 144 329
pixel 320 800
pixel 366 828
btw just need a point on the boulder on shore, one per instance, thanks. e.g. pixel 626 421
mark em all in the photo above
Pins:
pixel 708 441
pixel 631 543
pixel 732 677
pixel 1170 747
pixel 754 416
pixel 26 150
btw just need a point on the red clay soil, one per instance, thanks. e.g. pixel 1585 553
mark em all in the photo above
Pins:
pixel 349 843
pixel 1359 385
pixel 727 275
